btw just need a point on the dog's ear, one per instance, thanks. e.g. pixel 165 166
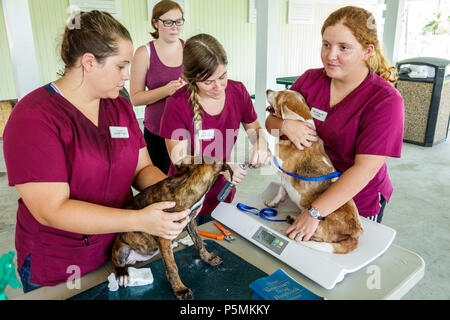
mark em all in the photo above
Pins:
pixel 288 114
pixel 184 164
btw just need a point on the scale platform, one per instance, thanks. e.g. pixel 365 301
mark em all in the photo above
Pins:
pixel 326 269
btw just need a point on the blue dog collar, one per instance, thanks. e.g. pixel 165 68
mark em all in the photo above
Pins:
pixel 332 175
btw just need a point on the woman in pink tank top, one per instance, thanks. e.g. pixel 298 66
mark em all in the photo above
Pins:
pixel 157 66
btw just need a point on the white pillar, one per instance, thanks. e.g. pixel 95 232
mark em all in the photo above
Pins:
pixel 266 52
pixel 392 29
pixel 21 45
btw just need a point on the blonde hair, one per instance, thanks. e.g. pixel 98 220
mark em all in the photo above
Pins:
pixel 161 8
pixel 202 54
pixel 363 26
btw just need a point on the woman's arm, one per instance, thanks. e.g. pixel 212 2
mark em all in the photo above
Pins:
pixel 50 205
pixel 139 67
pixel 350 183
pixel 146 173
pixel 345 188
pixel 177 149
pixel 260 153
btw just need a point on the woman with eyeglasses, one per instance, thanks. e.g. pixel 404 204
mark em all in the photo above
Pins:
pixel 155 75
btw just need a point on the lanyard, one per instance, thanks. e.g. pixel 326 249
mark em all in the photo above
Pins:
pixel 263 214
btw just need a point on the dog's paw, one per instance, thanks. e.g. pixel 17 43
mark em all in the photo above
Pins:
pixel 214 260
pixel 122 276
pixel 184 294
pixel 123 280
pixel 271 204
pixel 290 219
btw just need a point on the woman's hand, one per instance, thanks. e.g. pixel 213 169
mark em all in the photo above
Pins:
pixel 301 133
pixel 303 227
pixel 260 154
pixel 163 224
pixel 238 174
pixel 174 85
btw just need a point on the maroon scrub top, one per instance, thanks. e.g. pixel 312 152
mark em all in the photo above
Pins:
pixel 47 139
pixel 177 124
pixel 369 120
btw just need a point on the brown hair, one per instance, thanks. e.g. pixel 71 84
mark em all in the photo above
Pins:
pixel 202 54
pixel 161 8
pixel 98 33
pixel 363 26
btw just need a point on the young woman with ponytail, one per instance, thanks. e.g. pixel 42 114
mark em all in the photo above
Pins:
pixel 203 117
pixel 73 149
pixel 357 113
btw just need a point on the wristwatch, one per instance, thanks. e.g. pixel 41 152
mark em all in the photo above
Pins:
pixel 315 213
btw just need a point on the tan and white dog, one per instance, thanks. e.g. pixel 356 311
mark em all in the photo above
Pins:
pixel 340 231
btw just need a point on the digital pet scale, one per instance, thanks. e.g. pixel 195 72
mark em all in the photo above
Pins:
pixel 326 269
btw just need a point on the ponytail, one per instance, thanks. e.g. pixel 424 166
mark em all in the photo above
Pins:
pixel 379 64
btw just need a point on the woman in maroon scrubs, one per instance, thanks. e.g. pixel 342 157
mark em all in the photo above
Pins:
pixel 357 113
pixel 73 149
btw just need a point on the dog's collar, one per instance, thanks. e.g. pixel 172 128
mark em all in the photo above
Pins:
pixel 196 206
pixel 332 175
pixel 270 109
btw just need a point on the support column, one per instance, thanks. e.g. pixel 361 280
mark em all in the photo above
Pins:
pixel 266 52
pixel 21 46
pixel 392 29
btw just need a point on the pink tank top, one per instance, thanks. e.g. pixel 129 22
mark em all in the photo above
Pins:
pixel 158 75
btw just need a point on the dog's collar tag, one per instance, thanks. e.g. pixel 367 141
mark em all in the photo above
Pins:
pixel 206 134
pixel 318 114
pixel 119 132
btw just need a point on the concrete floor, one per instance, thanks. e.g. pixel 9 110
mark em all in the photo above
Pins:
pixel 419 211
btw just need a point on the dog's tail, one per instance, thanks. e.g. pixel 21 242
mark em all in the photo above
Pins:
pixel 344 246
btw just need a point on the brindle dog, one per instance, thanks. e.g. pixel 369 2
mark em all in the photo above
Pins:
pixel 187 187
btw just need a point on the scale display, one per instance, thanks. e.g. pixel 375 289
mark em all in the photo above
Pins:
pixel 270 240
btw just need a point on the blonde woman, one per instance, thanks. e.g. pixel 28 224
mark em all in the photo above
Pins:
pixel 157 66
pixel 357 113
pixel 203 118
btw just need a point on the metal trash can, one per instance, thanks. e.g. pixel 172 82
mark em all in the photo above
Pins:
pixel 424 84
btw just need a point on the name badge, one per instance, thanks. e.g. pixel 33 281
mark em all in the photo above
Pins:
pixel 119 132
pixel 206 134
pixel 318 114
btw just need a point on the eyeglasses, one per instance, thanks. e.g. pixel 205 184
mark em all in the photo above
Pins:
pixel 169 23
